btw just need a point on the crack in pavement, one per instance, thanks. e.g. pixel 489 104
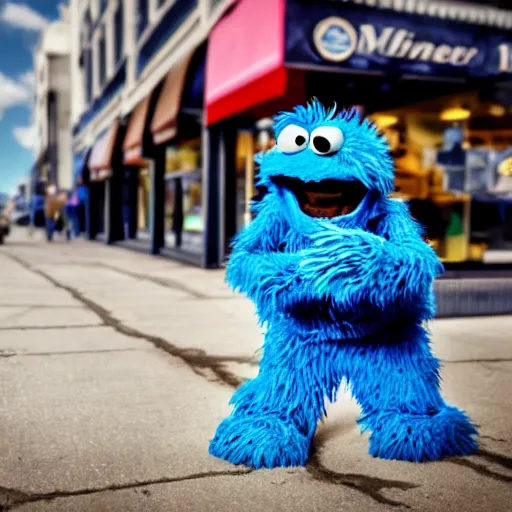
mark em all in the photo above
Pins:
pixel 196 359
pixel 368 485
pixel 493 458
pixel 12 498
pixel 199 361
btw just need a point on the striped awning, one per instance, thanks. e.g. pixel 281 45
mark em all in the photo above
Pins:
pixel 456 11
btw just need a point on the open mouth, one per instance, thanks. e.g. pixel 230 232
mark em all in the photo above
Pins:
pixel 326 198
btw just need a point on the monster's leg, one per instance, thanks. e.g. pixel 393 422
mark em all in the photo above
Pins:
pixel 275 415
pixel 396 382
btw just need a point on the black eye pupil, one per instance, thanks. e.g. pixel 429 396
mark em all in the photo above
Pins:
pixel 321 144
pixel 299 140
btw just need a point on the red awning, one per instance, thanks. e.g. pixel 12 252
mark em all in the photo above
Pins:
pixel 100 161
pixel 245 58
pixel 132 146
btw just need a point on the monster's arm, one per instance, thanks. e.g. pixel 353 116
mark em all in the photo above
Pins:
pixel 393 266
pixel 258 268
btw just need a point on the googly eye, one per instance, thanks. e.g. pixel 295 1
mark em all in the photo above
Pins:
pixel 326 140
pixel 292 139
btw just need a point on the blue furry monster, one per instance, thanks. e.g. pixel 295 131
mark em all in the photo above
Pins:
pixel 343 281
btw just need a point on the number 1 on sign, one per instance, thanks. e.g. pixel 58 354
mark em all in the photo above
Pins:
pixel 505 58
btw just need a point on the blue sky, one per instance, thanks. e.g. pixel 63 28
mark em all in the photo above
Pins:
pixel 21 24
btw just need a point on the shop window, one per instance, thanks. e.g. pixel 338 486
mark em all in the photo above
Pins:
pixel 249 143
pixel 192 214
pixel 450 173
pixel 142 16
pixel 183 203
pixel 119 33
pixel 143 204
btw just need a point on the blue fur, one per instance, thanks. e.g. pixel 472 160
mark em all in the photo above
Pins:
pixel 343 300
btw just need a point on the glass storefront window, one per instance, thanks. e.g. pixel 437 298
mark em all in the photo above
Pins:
pixel 249 143
pixel 184 224
pixel 193 219
pixel 447 156
pixel 143 206
pixel 170 237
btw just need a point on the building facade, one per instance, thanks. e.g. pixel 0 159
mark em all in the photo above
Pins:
pixel 52 108
pixel 172 99
pixel 436 78
pixel 137 72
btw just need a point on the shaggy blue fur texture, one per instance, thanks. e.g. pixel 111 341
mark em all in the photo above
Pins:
pixel 344 300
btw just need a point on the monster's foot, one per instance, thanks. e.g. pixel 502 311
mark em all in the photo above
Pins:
pixel 421 438
pixel 260 441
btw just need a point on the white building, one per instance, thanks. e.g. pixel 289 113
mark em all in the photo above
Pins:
pixel 52 114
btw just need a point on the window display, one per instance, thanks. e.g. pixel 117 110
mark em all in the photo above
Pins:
pixel 170 237
pixel 143 207
pixel 184 223
pixel 249 143
pixel 192 219
pixel 448 171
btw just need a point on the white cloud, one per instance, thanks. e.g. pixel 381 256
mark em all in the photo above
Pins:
pixel 28 78
pixel 26 136
pixel 14 92
pixel 22 16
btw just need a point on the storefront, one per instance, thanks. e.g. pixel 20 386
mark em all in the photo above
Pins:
pixel 405 69
pixel 104 214
pixel 136 187
pixel 80 181
pixel 177 135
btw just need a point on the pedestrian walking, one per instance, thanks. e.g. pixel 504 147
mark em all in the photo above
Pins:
pixel 72 216
pixel 53 211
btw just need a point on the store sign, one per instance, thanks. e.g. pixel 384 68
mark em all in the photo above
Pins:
pixel 365 39
pixel 337 40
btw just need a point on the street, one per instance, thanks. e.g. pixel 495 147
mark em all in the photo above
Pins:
pixel 116 368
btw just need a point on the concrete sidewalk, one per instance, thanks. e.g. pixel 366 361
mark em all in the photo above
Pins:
pixel 116 368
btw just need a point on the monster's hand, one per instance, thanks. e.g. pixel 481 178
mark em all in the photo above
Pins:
pixel 259 267
pixel 394 266
pixel 269 279
pixel 339 257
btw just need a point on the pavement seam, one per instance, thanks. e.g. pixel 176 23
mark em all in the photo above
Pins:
pixel 15 498
pixel 161 281
pixel 6 353
pixel 166 282
pixel 196 359
pixel 41 306
pixel 469 361
pixel 50 327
